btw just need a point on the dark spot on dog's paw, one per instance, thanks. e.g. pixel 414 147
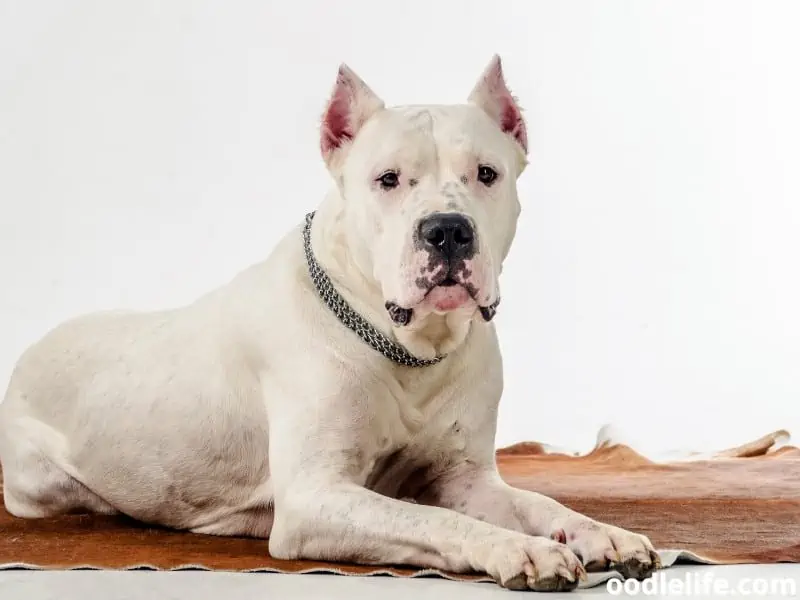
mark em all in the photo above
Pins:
pixel 656 559
pixel 518 582
pixel 555 583
pixel 597 565
pixel 634 568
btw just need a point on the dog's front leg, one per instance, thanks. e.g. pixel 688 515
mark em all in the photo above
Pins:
pixel 346 522
pixel 470 483
pixel 323 512
pixel 481 493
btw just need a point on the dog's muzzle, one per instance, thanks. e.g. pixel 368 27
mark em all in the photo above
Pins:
pixel 450 240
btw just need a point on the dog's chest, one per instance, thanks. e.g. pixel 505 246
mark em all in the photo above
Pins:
pixel 415 457
pixel 416 432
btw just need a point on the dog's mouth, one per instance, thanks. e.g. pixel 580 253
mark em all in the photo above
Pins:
pixel 444 296
pixel 448 295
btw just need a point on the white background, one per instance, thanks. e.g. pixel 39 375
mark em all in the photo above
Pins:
pixel 150 150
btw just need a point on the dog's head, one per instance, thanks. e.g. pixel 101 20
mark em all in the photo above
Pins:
pixel 429 192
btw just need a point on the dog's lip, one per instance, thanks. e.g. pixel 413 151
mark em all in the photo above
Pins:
pixel 450 282
pixel 448 297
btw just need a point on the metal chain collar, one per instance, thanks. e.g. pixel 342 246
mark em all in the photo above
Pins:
pixel 351 319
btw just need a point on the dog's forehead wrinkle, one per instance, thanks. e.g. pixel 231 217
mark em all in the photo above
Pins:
pixel 454 125
pixel 423 120
pixel 413 110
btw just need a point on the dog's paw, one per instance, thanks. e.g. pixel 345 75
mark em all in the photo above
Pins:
pixel 604 547
pixel 521 562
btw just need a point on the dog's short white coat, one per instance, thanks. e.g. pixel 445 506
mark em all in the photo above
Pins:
pixel 254 411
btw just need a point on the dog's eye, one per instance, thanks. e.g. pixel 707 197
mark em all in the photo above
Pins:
pixel 486 175
pixel 389 180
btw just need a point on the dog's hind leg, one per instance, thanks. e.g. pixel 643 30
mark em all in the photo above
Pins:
pixel 34 485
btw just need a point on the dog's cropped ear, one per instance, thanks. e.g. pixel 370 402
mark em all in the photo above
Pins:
pixel 350 105
pixel 492 94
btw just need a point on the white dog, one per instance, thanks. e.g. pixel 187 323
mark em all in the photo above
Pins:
pixel 308 400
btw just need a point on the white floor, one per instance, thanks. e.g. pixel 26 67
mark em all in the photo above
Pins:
pixel 95 585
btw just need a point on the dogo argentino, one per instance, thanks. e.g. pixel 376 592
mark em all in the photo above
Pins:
pixel 339 398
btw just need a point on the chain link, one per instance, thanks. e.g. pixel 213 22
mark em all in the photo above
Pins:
pixel 350 318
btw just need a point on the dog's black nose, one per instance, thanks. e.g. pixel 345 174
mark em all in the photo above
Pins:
pixel 450 234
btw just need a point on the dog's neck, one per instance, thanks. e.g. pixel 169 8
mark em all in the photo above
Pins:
pixel 425 337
